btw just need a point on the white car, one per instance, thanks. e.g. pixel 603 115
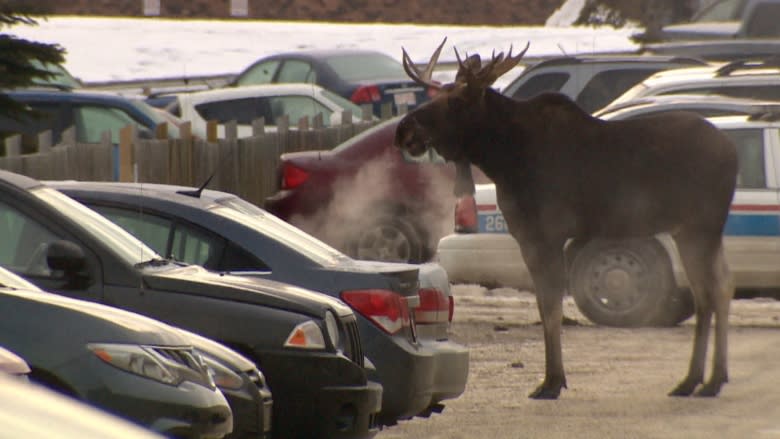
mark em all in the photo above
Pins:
pixel 638 282
pixel 271 101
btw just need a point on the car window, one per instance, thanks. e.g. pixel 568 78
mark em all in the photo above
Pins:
pixel 365 66
pixel 763 22
pixel 243 110
pixel 237 259
pixel 343 103
pixel 45 118
pixel 151 229
pixel 721 10
pixel 604 87
pixel 538 84
pixel 24 242
pixel 92 121
pixel 195 246
pixel 750 151
pixel 297 107
pixel 296 71
pixel 262 73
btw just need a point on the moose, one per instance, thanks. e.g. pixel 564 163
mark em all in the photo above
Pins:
pixel 562 174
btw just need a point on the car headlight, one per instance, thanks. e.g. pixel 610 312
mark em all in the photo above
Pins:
pixel 306 335
pixel 332 326
pixel 223 377
pixel 135 359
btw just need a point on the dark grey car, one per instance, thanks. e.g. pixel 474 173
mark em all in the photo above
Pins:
pixel 417 364
pixel 129 365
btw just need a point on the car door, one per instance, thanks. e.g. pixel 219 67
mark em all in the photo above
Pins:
pixel 752 234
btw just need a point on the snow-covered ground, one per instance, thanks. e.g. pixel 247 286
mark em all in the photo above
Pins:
pixel 107 49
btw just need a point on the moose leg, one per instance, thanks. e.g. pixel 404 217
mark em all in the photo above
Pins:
pixel 708 277
pixel 546 265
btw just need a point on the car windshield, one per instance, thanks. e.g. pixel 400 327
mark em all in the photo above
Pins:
pixel 274 228
pixel 723 10
pixel 10 280
pixel 362 66
pixel 343 103
pixel 148 110
pixel 124 244
pixel 631 94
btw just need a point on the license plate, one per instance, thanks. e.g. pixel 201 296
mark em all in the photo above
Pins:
pixel 407 98
pixel 492 223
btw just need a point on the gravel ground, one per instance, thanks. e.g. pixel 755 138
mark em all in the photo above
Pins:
pixel 618 378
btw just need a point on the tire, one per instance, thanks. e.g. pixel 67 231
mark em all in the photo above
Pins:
pixel 391 239
pixel 627 283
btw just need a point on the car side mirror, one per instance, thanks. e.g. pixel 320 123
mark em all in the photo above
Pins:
pixel 66 256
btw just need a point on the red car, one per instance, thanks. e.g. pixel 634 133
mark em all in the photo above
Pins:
pixel 367 198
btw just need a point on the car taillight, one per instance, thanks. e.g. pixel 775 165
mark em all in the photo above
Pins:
pixel 387 309
pixel 434 307
pixel 366 94
pixel 466 214
pixel 293 176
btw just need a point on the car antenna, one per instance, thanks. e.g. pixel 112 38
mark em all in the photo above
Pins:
pixel 197 192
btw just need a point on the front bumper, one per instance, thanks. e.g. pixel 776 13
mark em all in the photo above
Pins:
pixel 320 395
pixel 186 410
pixel 490 259
pixel 252 411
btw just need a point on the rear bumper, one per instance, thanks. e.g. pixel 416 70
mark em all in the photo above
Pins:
pixel 491 259
pixel 320 395
pixel 451 369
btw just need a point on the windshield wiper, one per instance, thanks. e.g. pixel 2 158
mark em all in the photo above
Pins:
pixel 154 262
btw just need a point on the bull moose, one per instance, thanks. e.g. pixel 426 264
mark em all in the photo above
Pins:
pixel 562 174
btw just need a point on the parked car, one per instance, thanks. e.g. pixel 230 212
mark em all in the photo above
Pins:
pixel 306 343
pixel 134 367
pixel 269 101
pixel 592 81
pixel 752 79
pixel 728 19
pixel 397 206
pixel 362 76
pixel 704 105
pixel 713 51
pixel 12 364
pixel 640 282
pixel 227 234
pixel 32 411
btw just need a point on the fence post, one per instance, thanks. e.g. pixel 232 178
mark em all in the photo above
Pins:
pixel 161 131
pixel 258 126
pixel 346 117
pixel 386 111
pixel 231 130
pixel 211 130
pixel 44 141
pixel 69 136
pixel 126 153
pixel 368 113
pixel 13 145
pixel 303 123
pixel 317 122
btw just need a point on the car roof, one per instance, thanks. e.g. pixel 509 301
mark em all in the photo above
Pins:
pixel 21 181
pixel 715 101
pixel 248 91
pixel 742 71
pixel 314 53
pixel 69 96
pixel 153 190
pixel 617 59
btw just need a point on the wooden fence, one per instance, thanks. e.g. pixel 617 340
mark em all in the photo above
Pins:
pixel 247 167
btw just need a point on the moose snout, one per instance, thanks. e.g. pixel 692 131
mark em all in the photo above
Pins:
pixel 408 137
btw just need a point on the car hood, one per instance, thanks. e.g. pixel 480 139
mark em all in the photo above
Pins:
pixel 218 351
pixel 246 289
pixel 99 323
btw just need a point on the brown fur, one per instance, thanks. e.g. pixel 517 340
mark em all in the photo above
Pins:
pixel 562 174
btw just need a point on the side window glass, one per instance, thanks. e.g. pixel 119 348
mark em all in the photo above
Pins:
pixel 92 121
pixel 243 111
pixel 539 84
pixel 195 246
pixel 296 71
pixel 750 151
pixel 606 86
pixel 297 107
pixel 763 22
pixel 260 74
pixel 154 231
pixel 238 259
pixel 25 243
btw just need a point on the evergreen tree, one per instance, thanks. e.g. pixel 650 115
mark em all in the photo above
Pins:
pixel 22 62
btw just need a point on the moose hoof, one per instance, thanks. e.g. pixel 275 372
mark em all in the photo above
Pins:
pixel 710 389
pixel 547 391
pixel 685 388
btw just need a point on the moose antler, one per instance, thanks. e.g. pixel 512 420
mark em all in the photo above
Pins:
pixel 423 77
pixel 474 73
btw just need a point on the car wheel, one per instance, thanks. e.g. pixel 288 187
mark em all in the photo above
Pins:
pixel 389 239
pixel 627 283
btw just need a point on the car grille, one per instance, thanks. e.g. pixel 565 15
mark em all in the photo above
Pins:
pixel 354 345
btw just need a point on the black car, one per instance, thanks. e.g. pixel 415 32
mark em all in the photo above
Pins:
pixel 362 76
pixel 304 342
pixel 134 367
pixel 416 363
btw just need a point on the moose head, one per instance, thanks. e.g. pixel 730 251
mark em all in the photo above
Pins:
pixel 442 122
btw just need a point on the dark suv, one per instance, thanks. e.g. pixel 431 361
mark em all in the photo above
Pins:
pixel 305 343
pixel 592 81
